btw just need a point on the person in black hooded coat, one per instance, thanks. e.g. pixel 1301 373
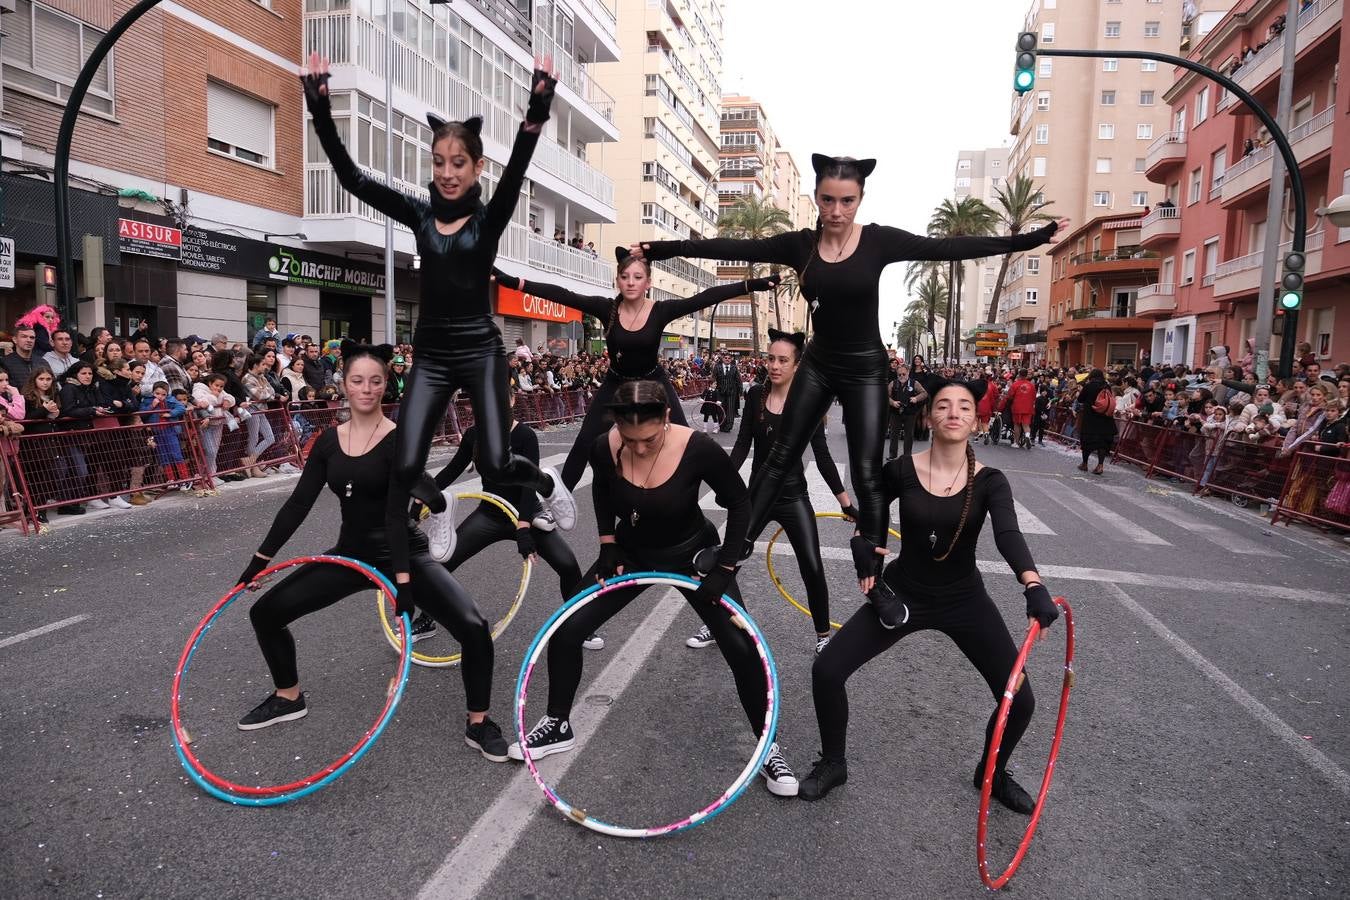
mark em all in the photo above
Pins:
pixel 1096 431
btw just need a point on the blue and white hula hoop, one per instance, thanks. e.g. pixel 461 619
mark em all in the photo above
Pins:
pixel 739 617
pixel 272 795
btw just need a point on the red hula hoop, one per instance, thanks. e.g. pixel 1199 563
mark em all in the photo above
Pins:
pixel 230 597
pixel 1004 707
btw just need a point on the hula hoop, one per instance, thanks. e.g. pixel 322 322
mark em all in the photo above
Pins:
pixel 271 795
pixel 440 662
pixel 773 575
pixel 1004 707
pixel 738 616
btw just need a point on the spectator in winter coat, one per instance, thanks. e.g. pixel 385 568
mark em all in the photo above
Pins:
pixel 314 373
pixel 60 358
pixel 21 362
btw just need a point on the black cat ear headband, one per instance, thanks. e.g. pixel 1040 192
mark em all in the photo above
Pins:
pixel 820 162
pixel 796 338
pixel 473 123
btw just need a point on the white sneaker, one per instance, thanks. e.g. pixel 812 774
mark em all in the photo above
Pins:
pixel 560 504
pixel 778 777
pixel 594 642
pixel 119 501
pixel 440 529
pixel 700 639
pixel 97 504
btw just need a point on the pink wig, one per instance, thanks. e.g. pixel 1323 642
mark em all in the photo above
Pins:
pixel 34 317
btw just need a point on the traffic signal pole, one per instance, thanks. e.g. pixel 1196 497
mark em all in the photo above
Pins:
pixel 1294 260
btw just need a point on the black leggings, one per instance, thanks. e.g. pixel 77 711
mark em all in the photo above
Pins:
pixel 1037 428
pixel 798 519
pixel 858 380
pixel 1089 449
pixel 598 421
pixel 902 428
pixel 316 586
pixel 468 357
pixel 487 525
pixel 564 650
pixel 971 620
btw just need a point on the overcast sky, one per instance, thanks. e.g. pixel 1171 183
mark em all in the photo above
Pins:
pixel 908 83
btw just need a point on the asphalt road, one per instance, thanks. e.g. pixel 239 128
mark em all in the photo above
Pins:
pixel 1207 752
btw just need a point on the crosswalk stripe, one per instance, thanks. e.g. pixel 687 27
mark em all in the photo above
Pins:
pixel 1224 537
pixel 1028 522
pixel 1109 522
pixel 709 500
pixel 822 498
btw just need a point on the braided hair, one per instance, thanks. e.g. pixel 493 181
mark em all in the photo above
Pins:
pixel 965 506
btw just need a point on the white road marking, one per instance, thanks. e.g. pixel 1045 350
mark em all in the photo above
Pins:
pixel 822 498
pixel 1224 537
pixel 45 629
pixel 709 501
pixel 1259 711
pixel 1109 522
pixel 1028 522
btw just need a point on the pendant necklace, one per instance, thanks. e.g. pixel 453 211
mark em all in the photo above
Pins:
pixel 347 492
pixel 633 515
pixel 932 519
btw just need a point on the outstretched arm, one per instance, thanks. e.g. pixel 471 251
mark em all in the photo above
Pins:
pixel 898 244
pixel 788 249
pixel 590 305
pixel 673 309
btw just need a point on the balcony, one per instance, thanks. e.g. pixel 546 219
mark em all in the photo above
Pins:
pixel 1243 274
pixel 1163 224
pixel 1314 21
pixel 560 259
pixel 1164 154
pixel 1106 319
pixel 1159 298
pixel 553 158
pixel 597 18
pixel 1252 172
pixel 576 76
pixel 1122 260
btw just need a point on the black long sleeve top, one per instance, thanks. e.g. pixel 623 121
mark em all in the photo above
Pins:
pixel 668 514
pixel 524 442
pixel 844 296
pixel 456 268
pixel 923 513
pixel 759 427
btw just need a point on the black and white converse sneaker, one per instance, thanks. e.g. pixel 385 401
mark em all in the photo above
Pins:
pixel 486 738
pixel 424 626
pixel 700 639
pixel 273 710
pixel 550 735
pixel 778 777
pixel 821 641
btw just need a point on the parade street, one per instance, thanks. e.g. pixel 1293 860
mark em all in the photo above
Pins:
pixel 1207 750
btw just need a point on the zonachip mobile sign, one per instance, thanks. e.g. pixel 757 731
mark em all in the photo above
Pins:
pixel 226 254
pixel 292 267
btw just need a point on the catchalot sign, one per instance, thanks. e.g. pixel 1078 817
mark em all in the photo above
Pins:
pixel 511 302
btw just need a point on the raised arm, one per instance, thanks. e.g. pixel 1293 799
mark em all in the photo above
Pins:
pixel 790 249
pixel 388 200
pixel 898 244
pixel 293 512
pixel 507 191
pixel 590 305
pixel 671 310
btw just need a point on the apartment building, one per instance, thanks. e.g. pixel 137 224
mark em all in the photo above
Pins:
pixel 666 93
pixel 1082 132
pixel 1214 167
pixel 979 173
pixel 215 208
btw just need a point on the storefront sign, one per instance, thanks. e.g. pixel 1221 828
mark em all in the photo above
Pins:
pixel 149 239
pixel 511 302
pixel 672 338
pixel 224 254
pixel 6 262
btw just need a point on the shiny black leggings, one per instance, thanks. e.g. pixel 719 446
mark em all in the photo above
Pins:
pixel 598 420
pixel 486 526
pixel 798 519
pixel 565 652
pixel 468 357
pixel 858 380
pixel 971 620
pixel 316 586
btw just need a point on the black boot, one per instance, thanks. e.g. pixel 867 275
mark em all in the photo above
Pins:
pixel 1006 791
pixel 826 775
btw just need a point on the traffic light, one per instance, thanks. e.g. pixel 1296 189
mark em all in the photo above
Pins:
pixel 1025 78
pixel 1291 285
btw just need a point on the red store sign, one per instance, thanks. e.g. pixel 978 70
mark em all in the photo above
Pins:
pixel 511 302
pixel 149 239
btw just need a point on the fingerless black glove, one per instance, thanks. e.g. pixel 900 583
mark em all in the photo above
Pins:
pixel 866 560
pixel 536 113
pixel 851 511
pixel 525 542
pixel 1040 606
pixel 404 601
pixel 611 559
pixel 255 565
pixel 714 585
pixel 510 281
pixel 765 284
pixel 316 101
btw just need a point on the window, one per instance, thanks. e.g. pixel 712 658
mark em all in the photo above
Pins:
pixel 1211 255
pixel 1033 265
pixel 1112 30
pixel 1045 66
pixel 1108 98
pixel 1144 132
pixel 1148 65
pixel 1103 165
pixel 1202 105
pixel 1043 134
pixel 1139 199
pixel 1146 98
pixel 261 302
pixel 1218 163
pixel 1033 296
pixel 1188 267
pixel 963 164
pixel 1106 131
pixel 1343 234
pixel 238 125
pixel 1197 178
pixel 43 51
pixel 1048 33
pixel 1101 198
pixel 1110 65
pixel 963 182
pixel 1038 167
pixel 1140 163
pixel 1043 101
pixel 1152 29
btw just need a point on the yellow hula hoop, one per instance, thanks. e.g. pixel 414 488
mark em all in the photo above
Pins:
pixel 773 575
pixel 441 662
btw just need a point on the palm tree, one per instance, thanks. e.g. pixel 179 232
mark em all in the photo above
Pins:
pixel 930 296
pixel 911 329
pixel 1019 205
pixel 751 218
pixel 967 216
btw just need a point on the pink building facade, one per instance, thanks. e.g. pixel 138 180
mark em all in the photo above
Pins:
pixel 1215 165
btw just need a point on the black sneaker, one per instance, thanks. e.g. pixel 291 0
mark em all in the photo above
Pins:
pixel 700 639
pixel 550 735
pixel 777 774
pixel 273 710
pixel 486 738
pixel 826 775
pixel 891 610
pixel 424 626
pixel 1006 791
pixel 822 641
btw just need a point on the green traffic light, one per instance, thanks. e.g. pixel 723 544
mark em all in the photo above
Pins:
pixel 1024 81
pixel 1291 300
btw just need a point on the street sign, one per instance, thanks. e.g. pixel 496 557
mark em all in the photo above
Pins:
pixel 995 345
pixel 988 352
pixel 1016 354
pixel 7 263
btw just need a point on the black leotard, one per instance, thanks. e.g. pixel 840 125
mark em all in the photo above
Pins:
pixel 758 426
pixel 669 514
pixel 524 442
